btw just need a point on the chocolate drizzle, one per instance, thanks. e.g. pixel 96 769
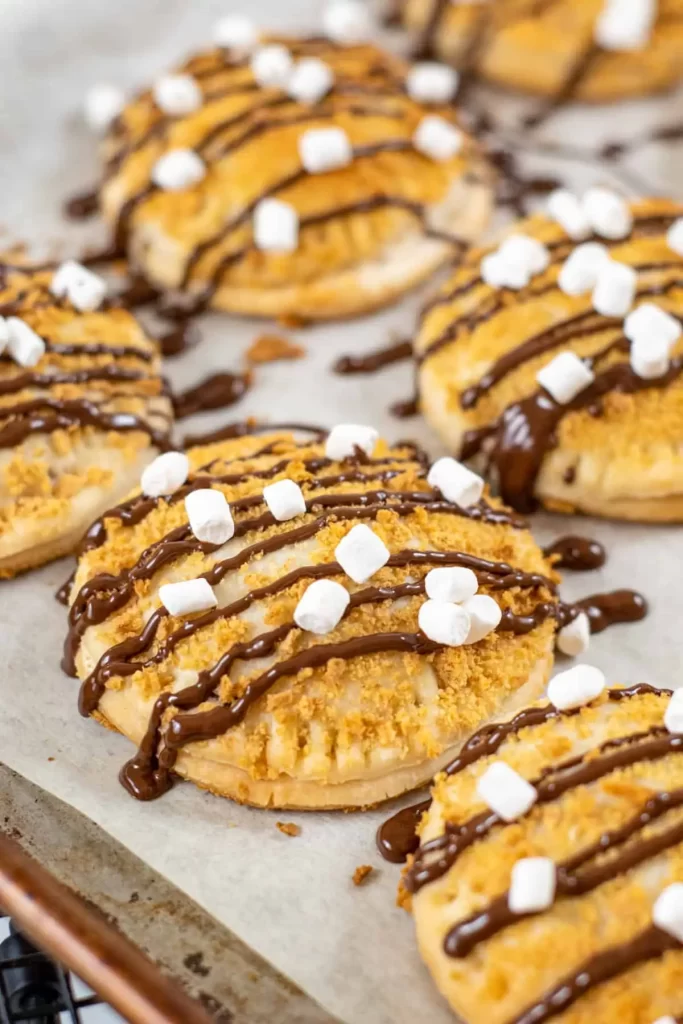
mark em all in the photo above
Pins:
pixel 371 362
pixel 216 391
pixel 82 206
pixel 45 415
pixel 579 554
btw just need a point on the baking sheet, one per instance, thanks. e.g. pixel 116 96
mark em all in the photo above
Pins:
pixel 292 899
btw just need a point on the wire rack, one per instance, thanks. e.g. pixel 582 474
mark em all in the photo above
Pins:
pixel 35 989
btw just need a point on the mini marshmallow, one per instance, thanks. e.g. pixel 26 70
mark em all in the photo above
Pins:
pixel 532 885
pixel 615 289
pixel 177 95
pixel 485 616
pixel 276 226
pixel 528 251
pixel 430 82
pixel 457 483
pixel 674 237
pixel 325 149
pixel 4 334
pixel 649 357
pixel 322 607
pixel 579 273
pixel 564 377
pixel 86 291
pixel 310 80
pixel 361 553
pixel 607 213
pixel 505 791
pixel 210 516
pixel 165 474
pixel 567 210
pixel 437 138
pixel 103 104
pixel 665 1020
pixel 574 638
pixel 343 440
pixel 271 66
pixel 444 623
pixel 177 170
pixel 237 33
pixel 575 687
pixel 25 346
pixel 347 22
pixel 501 273
pixel 673 716
pixel 285 500
pixel 650 321
pixel 667 912
pixel 625 24
pixel 452 583
pixel 187 597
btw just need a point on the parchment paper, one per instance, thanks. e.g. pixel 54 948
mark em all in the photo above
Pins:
pixel 290 898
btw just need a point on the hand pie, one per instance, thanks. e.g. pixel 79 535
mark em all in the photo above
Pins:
pixel 82 409
pixel 562 376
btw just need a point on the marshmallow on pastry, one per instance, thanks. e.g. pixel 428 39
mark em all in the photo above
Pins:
pixel 615 289
pixel 579 273
pixel 276 226
pixel 576 687
pixel 625 24
pixel 532 885
pixel 674 237
pixel 444 623
pixel 437 138
pixel 608 214
pixel 501 273
pixel 187 597
pixel 667 912
pixel 505 791
pixel 210 517
pixel 310 80
pixel 285 499
pixel 650 321
pixel 237 33
pixel 322 607
pixel 564 377
pixel 518 248
pixel 485 615
pixel 452 583
pixel 103 104
pixel 86 291
pixel 325 149
pixel 23 344
pixel 177 95
pixel 271 66
pixel 343 440
pixel 347 22
pixel 165 474
pixel 673 716
pixel 457 483
pixel 361 553
pixel 574 638
pixel 177 170
pixel 567 210
pixel 430 82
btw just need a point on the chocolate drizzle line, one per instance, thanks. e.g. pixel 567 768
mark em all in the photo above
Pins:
pixel 45 415
pixel 216 391
pixel 371 362
pixel 579 554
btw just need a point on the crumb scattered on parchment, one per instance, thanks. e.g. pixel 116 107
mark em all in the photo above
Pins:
pixel 288 828
pixel 404 899
pixel 361 873
pixel 269 348
pixel 50 758
pixel 292 320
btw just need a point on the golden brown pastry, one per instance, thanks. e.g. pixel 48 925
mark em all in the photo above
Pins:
pixel 82 408
pixel 597 50
pixel 296 179
pixel 494 359
pixel 296 665
pixel 549 882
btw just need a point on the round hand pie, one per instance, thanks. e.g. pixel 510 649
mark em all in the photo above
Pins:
pixel 583 49
pixel 562 375
pixel 298 179
pixel 82 408
pixel 548 882
pixel 299 664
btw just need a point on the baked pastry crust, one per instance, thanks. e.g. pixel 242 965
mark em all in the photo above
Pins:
pixel 548 49
pixel 620 458
pixel 76 429
pixel 367 718
pixel 368 231
pixel 501 966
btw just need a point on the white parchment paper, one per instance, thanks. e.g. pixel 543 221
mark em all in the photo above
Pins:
pixel 292 899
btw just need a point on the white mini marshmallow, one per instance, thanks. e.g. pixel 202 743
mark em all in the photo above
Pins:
pixel 574 638
pixel 444 623
pixel 532 885
pixel 103 104
pixel 437 138
pixel 579 273
pixel 177 170
pixel 665 1020
pixel 343 440
pixel 451 583
pixel 567 210
pixel 575 687
pixel 310 80
pixel 649 357
pixel 237 33
pixel 674 237
pixel 86 291
pixel 564 377
pixel 615 289
pixel 187 597
pixel 271 66
pixel 625 24
pixel 276 226
pixel 505 791
pixel 673 716
pixel 485 616
pixel 325 149
pixel 531 253
pixel 25 346
pixel 322 607
pixel 607 213
pixel 177 95
pixel 4 334
pixel 650 321
pixel 430 82
pixel 210 516
pixel 285 499
pixel 347 22
pixel 667 912
pixel 361 553
pixel 165 474
pixel 498 272
pixel 457 483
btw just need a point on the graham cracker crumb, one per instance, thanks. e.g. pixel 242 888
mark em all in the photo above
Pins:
pixel 288 828
pixel 361 873
pixel 269 348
